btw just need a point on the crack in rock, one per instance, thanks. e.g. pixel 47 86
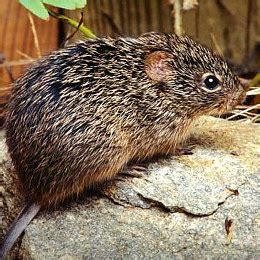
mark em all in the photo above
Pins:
pixel 194 184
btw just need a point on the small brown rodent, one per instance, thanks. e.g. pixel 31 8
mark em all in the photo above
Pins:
pixel 79 115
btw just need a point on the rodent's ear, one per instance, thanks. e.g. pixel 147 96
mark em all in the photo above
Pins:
pixel 156 66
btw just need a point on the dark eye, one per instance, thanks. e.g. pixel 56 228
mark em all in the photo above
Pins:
pixel 211 83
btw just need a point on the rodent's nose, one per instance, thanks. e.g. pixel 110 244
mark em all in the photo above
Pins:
pixel 244 83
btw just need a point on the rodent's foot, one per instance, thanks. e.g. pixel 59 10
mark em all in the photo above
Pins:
pixel 186 150
pixel 136 171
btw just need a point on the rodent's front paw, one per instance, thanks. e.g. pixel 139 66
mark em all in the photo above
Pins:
pixel 136 171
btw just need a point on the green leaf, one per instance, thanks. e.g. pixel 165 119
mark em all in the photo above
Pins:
pixel 36 7
pixel 67 4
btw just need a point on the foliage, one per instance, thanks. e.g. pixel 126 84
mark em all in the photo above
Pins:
pixel 255 82
pixel 37 6
pixel 86 31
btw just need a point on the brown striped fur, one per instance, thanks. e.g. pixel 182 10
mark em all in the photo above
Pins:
pixel 79 115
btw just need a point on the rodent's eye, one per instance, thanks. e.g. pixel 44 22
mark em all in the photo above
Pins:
pixel 210 82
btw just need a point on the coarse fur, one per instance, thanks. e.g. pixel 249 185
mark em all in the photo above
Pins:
pixel 81 114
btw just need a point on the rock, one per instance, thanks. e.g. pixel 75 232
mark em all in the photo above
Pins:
pixel 10 201
pixel 204 204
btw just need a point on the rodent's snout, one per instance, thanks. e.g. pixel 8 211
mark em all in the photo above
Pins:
pixel 237 97
pixel 242 95
pixel 243 88
pixel 244 83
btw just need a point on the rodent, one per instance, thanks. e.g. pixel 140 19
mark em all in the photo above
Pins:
pixel 81 114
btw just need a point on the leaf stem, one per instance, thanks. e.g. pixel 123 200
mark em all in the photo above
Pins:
pixel 86 31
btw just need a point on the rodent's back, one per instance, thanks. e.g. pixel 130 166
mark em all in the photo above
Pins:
pixel 60 131
pixel 80 114
pixel 72 118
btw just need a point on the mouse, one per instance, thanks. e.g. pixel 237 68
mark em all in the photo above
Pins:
pixel 79 115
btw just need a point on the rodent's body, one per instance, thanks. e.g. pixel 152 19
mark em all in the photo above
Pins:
pixel 67 132
pixel 81 114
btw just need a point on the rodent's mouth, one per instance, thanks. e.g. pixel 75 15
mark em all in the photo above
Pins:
pixel 231 101
pixel 219 110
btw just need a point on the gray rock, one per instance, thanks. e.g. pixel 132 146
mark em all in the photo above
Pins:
pixel 200 205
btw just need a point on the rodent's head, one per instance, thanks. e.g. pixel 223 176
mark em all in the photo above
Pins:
pixel 200 80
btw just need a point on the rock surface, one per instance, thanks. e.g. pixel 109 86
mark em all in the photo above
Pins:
pixel 195 205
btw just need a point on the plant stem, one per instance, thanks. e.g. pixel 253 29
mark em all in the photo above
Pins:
pixel 177 14
pixel 87 32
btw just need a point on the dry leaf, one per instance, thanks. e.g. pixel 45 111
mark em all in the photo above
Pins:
pixel 229 227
